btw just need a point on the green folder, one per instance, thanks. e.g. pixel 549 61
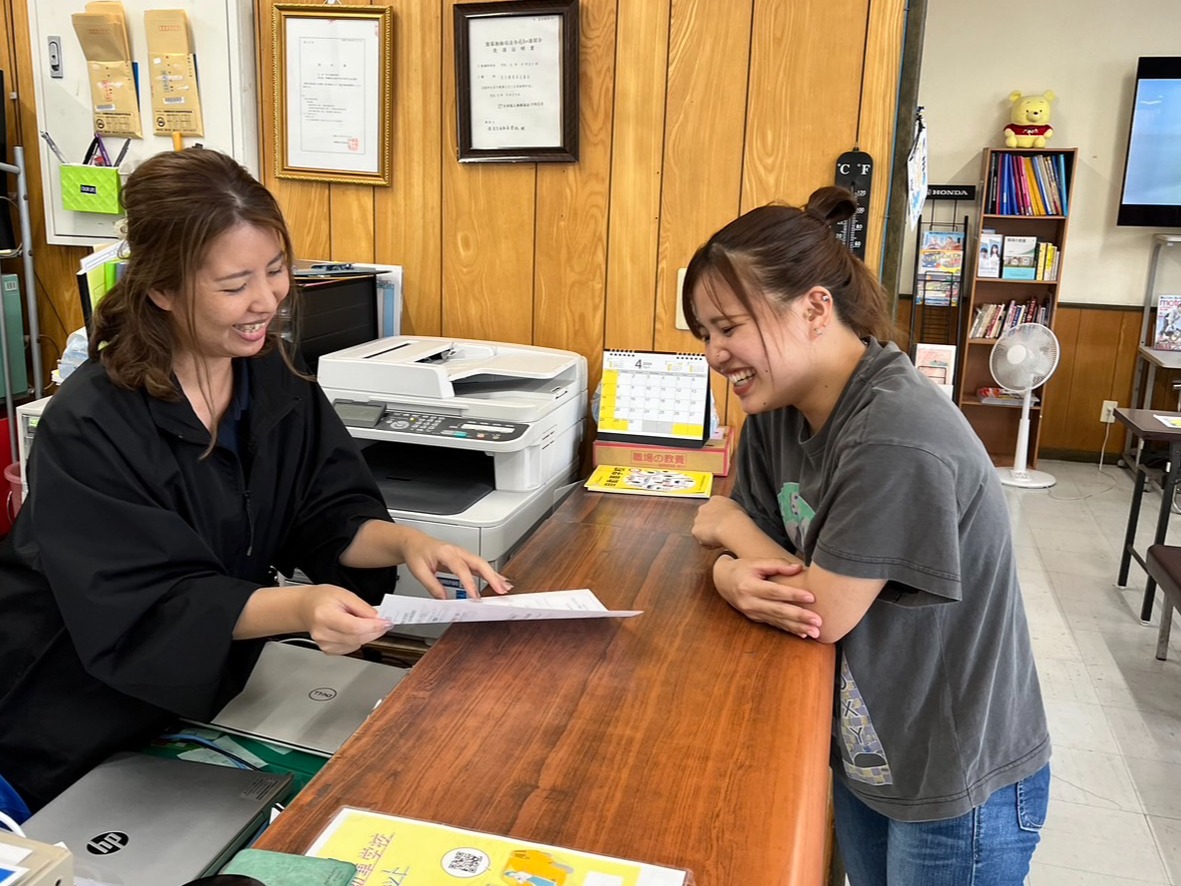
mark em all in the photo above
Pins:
pixel 282 869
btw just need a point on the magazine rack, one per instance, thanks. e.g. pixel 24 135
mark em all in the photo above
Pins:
pixel 935 313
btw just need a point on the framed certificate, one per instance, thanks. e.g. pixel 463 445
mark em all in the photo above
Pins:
pixel 517 81
pixel 332 92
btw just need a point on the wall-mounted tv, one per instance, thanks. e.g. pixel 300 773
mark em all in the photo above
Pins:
pixel 1151 194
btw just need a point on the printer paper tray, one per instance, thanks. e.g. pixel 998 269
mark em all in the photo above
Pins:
pixel 426 480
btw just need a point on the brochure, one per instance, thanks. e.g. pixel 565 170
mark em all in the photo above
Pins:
pixel 409 852
pixel 650 481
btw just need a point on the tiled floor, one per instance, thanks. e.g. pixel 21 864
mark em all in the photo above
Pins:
pixel 1114 710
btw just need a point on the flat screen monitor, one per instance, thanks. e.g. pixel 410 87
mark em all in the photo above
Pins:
pixel 1151 194
pixel 335 313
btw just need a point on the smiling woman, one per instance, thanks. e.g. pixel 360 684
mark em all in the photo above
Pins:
pixel 176 472
pixel 866 511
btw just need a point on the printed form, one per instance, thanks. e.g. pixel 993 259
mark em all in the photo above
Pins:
pixel 580 603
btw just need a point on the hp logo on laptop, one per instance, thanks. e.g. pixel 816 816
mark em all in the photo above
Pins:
pixel 108 843
pixel 324 693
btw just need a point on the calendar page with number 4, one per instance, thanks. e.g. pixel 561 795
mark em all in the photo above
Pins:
pixel 655 397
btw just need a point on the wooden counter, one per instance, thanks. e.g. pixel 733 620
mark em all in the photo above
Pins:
pixel 687 736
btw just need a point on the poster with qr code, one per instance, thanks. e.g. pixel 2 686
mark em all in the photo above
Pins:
pixel 388 849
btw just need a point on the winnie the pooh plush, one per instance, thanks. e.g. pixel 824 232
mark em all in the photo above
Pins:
pixel 1029 121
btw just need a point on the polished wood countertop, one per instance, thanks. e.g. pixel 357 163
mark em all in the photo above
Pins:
pixel 687 736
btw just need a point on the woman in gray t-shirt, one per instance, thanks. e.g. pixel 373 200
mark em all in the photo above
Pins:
pixel 867 514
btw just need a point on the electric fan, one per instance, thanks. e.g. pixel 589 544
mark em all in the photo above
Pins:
pixel 1022 359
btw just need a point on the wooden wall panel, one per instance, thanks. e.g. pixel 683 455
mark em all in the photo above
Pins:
pixel 1098 358
pixel 409 213
pixel 637 162
pixel 572 200
pixel 885 30
pixel 489 216
pixel 802 107
pixel 708 70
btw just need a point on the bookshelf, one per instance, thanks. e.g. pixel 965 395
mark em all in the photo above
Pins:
pixel 1025 193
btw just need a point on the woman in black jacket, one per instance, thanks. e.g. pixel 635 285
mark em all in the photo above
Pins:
pixel 174 472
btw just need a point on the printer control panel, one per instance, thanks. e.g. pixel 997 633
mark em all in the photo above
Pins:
pixel 431 425
pixel 427 424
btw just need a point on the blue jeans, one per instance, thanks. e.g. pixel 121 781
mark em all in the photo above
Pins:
pixel 990 845
pixel 11 803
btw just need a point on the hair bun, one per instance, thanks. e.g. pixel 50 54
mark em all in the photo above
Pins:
pixel 831 204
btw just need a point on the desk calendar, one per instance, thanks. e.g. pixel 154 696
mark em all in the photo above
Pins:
pixel 655 397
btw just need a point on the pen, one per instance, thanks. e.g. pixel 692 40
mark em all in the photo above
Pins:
pixel 123 152
pixel 53 147
pixel 102 150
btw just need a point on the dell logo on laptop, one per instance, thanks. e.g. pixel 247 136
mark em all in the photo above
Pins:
pixel 105 844
pixel 324 693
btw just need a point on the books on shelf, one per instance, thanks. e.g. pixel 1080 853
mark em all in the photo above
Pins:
pixel 650 481
pixel 1027 184
pixel 993 396
pixel 1167 335
pixel 992 319
pixel 1019 258
pixel 387 848
pixel 990 255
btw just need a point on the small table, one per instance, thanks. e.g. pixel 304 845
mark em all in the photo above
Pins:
pixel 1144 425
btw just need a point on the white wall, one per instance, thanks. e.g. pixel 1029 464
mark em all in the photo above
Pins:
pixel 976 53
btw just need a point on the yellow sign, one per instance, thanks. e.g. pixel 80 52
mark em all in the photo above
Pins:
pixel 393 851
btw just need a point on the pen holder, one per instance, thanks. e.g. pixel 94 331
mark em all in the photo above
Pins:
pixel 90 188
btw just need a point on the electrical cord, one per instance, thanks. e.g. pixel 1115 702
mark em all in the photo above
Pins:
pixel 11 825
pixel 1111 486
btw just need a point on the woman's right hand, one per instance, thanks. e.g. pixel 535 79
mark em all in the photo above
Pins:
pixel 711 519
pixel 338 620
pixel 747 586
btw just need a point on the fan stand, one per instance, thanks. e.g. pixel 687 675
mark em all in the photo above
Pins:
pixel 1017 475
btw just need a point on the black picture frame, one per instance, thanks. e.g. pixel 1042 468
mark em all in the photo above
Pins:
pixel 476 143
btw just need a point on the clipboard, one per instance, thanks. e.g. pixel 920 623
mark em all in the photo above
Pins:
pixel 657 398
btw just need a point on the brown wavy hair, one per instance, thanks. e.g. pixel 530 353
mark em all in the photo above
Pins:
pixel 176 203
pixel 778 253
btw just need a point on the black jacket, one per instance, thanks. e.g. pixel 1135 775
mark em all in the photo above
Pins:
pixel 132 558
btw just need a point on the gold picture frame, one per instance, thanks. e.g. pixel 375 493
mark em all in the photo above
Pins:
pixel 333 74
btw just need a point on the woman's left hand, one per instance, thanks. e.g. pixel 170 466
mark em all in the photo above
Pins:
pixel 425 556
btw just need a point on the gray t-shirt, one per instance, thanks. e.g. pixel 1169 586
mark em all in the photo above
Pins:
pixel 937 702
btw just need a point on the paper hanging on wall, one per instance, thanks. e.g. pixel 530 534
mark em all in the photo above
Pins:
pixel 102 32
pixel 172 72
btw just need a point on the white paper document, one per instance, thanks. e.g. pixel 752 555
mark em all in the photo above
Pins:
pixel 580 603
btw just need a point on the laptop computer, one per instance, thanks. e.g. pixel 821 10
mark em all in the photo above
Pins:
pixel 141 820
pixel 301 698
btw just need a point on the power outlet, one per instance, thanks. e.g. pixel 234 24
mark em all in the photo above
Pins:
pixel 1107 411
pixel 681 322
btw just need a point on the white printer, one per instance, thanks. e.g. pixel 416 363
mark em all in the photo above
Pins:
pixel 469 441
